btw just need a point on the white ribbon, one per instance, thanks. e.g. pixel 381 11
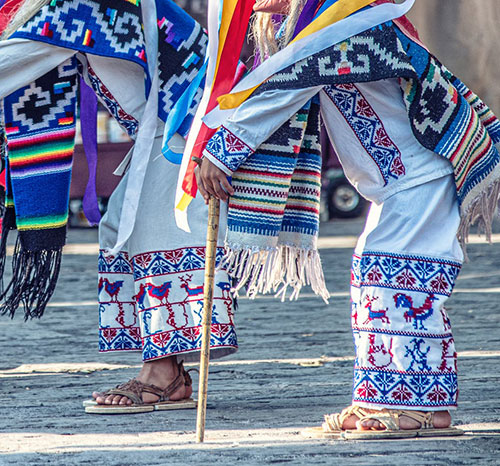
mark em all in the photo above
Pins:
pixel 145 133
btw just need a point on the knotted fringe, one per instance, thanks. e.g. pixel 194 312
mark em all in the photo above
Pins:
pixel 274 270
pixel 481 213
pixel 34 278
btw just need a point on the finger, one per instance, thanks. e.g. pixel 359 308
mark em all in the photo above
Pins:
pixel 221 194
pixel 210 187
pixel 201 186
pixel 227 186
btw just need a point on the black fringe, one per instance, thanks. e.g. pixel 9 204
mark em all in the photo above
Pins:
pixel 34 278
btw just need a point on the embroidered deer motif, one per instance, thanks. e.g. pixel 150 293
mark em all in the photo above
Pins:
pixel 417 314
pixel 379 356
pixel 190 292
pixel 372 315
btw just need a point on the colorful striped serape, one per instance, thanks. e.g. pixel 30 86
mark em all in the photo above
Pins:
pixel 40 125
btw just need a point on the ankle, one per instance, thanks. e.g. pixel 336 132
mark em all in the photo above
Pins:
pixel 165 369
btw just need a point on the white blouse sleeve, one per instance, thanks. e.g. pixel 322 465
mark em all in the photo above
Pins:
pixel 253 122
pixel 22 61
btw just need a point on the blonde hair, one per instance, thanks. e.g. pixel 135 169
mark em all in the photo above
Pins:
pixel 263 30
pixel 25 12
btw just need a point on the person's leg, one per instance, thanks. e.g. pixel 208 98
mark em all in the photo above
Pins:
pixel 167 269
pixel 404 269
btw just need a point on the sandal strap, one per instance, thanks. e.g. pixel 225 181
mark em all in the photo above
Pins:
pixel 390 418
pixel 426 419
pixel 334 422
pixel 133 389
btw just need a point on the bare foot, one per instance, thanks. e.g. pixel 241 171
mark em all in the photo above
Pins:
pixel 161 372
pixel 442 419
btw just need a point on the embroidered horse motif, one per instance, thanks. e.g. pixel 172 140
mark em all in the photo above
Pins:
pixel 379 314
pixel 190 292
pixel 417 314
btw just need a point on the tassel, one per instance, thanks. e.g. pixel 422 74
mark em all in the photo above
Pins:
pixel 274 270
pixel 34 278
pixel 481 213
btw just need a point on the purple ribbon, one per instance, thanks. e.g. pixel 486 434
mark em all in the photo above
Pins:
pixel 88 121
pixel 306 16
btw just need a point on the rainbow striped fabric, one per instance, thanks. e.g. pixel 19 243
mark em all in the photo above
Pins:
pixel 40 127
pixel 275 210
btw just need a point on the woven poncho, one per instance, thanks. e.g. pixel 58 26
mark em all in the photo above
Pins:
pixel 40 124
pixel 445 117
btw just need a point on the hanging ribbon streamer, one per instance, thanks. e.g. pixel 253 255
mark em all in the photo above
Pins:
pixel 88 122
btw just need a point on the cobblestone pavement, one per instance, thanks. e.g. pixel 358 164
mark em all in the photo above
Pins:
pixel 293 366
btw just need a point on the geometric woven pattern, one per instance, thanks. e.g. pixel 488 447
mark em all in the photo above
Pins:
pixel 404 390
pixel 405 352
pixel 153 302
pixel 228 149
pixel 182 48
pixel 403 272
pixel 369 129
pixel 40 125
pixel 108 28
pixel 126 121
pixel 444 115
pixel 262 182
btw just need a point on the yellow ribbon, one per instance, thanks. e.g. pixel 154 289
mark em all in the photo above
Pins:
pixel 228 9
pixel 338 11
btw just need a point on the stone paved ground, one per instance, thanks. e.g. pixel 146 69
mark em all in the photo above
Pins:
pixel 294 365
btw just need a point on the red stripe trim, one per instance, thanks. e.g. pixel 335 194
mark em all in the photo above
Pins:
pixel 257 209
pixel 43 138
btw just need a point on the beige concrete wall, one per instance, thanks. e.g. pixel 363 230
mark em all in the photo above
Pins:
pixel 465 36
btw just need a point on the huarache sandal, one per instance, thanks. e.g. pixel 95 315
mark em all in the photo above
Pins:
pixel 390 420
pixel 332 427
pixel 133 390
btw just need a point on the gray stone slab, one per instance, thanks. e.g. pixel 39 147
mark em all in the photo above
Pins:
pixel 294 365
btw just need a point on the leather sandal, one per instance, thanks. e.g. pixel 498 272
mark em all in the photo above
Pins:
pixel 133 390
pixel 332 427
pixel 390 420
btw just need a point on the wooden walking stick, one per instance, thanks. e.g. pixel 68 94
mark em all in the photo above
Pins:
pixel 208 299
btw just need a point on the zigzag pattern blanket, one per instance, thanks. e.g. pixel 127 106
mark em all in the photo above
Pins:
pixel 446 117
pixel 275 209
pixel 113 28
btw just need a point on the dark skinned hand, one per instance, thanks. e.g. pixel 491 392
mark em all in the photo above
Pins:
pixel 212 181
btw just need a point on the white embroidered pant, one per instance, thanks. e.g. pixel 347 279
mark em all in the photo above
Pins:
pixel 404 269
pixel 151 293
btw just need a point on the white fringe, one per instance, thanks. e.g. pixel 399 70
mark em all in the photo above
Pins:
pixel 481 213
pixel 25 12
pixel 265 271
